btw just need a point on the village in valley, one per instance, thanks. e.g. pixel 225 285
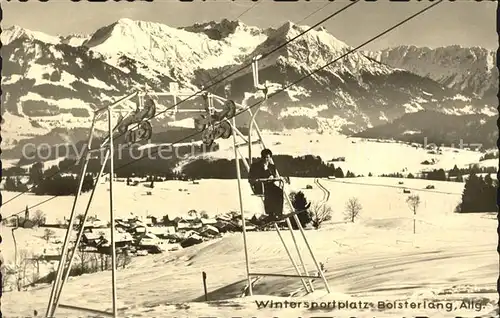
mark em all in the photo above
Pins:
pixel 135 235
pixel 143 235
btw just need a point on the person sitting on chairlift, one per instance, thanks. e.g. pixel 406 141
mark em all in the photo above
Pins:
pixel 273 194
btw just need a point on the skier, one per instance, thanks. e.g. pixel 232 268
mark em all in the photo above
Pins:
pixel 273 194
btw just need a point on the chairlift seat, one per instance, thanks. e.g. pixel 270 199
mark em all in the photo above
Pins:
pixel 258 185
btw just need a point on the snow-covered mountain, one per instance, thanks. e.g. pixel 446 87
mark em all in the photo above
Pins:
pixel 354 93
pixel 176 52
pixel 471 70
pixel 55 82
pixel 15 32
pixel 47 86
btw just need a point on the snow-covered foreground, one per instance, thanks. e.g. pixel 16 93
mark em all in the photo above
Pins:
pixel 450 259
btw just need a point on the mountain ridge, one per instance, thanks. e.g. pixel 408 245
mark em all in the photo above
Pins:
pixel 357 93
pixel 440 129
pixel 475 72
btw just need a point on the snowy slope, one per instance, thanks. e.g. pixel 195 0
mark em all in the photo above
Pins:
pixel 53 85
pixel 48 86
pixel 440 129
pixel 362 156
pixel 450 259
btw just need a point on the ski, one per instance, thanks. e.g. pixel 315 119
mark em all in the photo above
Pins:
pixel 279 219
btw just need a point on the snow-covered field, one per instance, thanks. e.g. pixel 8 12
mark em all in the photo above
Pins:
pixel 450 259
pixel 361 156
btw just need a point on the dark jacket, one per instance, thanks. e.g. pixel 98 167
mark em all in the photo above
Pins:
pixel 257 171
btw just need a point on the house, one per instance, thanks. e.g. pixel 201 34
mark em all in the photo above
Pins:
pixel 208 221
pixel 136 221
pixel 209 231
pixel 97 223
pixel 191 238
pixel 120 230
pixel 91 238
pixel 188 224
pixel 173 238
pixel 138 229
pixel 193 217
pixel 119 224
pixel 161 231
pixel 167 222
pixel 151 243
pixel 151 221
pixel 238 221
pixel 250 227
pixel 191 233
pixel 226 218
pixel 50 258
pixel 224 227
pixel 121 239
pixel 190 242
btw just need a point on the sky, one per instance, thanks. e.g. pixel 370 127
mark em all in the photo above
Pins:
pixel 463 22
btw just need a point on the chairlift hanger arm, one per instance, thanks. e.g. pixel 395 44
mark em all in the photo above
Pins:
pixel 253 125
pixel 116 103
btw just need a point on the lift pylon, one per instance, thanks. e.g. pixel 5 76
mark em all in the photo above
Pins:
pixel 302 272
pixel 64 265
pixel 133 121
pixel 219 125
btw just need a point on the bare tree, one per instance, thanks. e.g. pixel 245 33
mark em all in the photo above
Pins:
pixel 79 221
pixel 352 209
pixel 123 258
pixel 82 256
pixel 9 272
pixel 413 202
pixel 94 262
pixel 319 213
pixel 22 267
pixel 79 218
pixel 193 213
pixel 38 218
pixel 3 271
pixel 203 215
pixel 48 234
pixel 35 275
pixel 104 258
